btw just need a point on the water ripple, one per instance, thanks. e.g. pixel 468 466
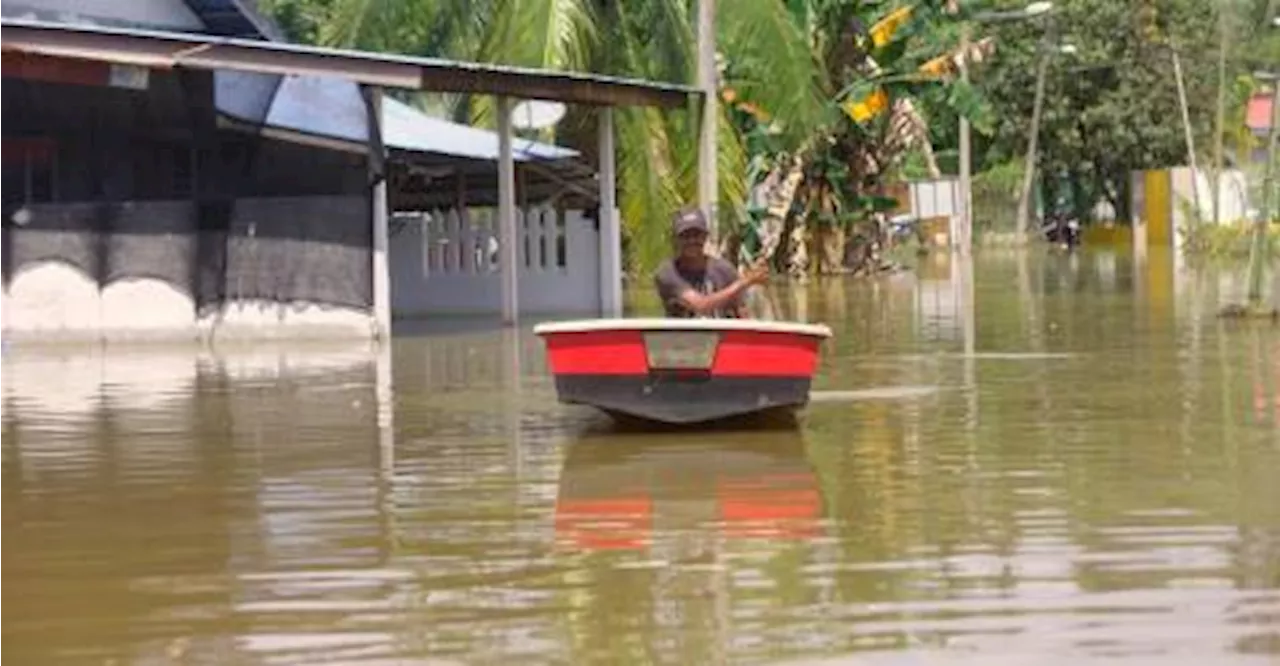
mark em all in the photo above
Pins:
pixel 1082 489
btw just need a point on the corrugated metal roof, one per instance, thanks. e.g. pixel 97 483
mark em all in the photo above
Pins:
pixel 332 108
pixel 297 98
pixel 151 48
pixel 406 128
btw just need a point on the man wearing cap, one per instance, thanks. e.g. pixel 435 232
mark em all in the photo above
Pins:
pixel 693 284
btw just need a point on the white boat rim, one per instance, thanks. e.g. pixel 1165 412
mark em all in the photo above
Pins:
pixel 677 324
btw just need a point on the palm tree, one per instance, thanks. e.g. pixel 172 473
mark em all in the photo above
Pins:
pixel 651 39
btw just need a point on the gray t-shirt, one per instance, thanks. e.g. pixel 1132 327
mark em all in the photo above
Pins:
pixel 671 281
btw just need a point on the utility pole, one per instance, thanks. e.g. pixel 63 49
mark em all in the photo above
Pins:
pixel 1186 132
pixel 1257 249
pixel 1032 10
pixel 1221 112
pixel 1029 169
pixel 965 232
pixel 1268 191
pixel 708 194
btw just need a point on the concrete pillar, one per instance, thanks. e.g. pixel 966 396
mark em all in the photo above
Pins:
pixel 708 194
pixel 509 230
pixel 963 228
pixel 379 172
pixel 610 224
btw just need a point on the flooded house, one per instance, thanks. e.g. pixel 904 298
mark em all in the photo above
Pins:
pixel 175 168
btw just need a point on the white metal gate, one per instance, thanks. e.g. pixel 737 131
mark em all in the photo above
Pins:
pixel 447 262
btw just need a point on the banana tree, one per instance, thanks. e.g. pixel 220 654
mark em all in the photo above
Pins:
pixel 872 81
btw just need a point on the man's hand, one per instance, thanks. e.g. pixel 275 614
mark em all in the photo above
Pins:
pixel 758 273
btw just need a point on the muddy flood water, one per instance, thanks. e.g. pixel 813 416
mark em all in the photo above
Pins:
pixel 1086 470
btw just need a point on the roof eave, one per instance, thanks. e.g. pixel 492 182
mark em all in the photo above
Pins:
pixel 168 49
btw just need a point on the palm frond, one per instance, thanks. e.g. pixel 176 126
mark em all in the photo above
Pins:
pixel 773 64
pixel 731 169
pixel 343 25
pixel 568 31
pixel 458 28
pixel 672 43
pixel 648 186
pixel 503 41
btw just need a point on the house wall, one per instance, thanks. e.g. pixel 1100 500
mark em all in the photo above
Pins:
pixel 129 213
pixel 261 267
pixel 1233 195
pixel 1164 201
pixel 1160 203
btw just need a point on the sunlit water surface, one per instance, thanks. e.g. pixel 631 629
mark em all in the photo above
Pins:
pixel 1089 470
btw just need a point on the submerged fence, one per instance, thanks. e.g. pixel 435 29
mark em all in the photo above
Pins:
pixel 447 261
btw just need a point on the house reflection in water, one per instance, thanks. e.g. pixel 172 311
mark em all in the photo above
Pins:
pixel 166 501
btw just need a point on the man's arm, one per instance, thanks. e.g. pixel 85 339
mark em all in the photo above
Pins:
pixel 706 303
pixel 728 297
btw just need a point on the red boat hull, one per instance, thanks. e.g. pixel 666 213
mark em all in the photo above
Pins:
pixel 680 373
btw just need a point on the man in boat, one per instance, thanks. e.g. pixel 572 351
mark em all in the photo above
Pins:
pixel 694 284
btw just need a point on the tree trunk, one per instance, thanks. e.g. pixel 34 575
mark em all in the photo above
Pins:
pixel 830 240
pixel 798 244
pixel 782 188
pixel 1123 200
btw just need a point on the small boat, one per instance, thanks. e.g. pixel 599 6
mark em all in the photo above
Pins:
pixel 683 371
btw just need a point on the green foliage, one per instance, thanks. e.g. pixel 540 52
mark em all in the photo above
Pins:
pixel 1111 107
pixel 995 197
pixel 769 62
pixel 299 19
pixel 1002 179
pixel 1229 240
pixel 1256 46
pixel 766 50
pixel 793 60
pixel 965 100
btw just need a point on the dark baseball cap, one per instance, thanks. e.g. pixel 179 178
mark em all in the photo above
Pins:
pixel 688 219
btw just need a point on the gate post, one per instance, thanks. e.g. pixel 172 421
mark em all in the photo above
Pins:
pixel 610 224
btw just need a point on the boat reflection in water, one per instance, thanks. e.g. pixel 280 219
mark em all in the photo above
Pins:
pixel 681 544
pixel 630 492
